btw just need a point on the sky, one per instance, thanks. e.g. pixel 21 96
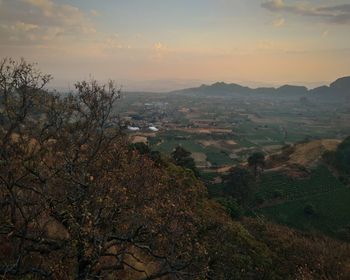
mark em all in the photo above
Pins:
pixel 159 45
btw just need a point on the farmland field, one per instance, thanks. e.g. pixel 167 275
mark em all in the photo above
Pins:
pixel 223 131
pixel 332 212
pixel 205 124
pixel 321 180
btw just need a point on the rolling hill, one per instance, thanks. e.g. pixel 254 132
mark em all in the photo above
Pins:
pixel 340 87
pixel 297 179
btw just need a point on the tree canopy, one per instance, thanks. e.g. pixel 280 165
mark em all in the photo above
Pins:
pixel 256 161
pixel 73 193
pixel 183 158
pixel 240 185
pixel 340 159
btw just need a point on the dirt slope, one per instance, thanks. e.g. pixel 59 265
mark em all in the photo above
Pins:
pixel 309 154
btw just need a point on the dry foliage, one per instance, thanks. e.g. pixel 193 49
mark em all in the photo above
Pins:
pixel 75 202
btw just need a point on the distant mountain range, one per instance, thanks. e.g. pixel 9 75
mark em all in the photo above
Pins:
pixel 340 87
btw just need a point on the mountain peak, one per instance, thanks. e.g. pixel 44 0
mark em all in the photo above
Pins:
pixel 341 84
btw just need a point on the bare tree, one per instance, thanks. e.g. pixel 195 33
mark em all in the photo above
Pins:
pixel 75 202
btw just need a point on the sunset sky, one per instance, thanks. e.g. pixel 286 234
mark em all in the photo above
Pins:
pixel 168 44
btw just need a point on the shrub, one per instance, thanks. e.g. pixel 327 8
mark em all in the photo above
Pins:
pixel 277 194
pixel 309 210
pixel 231 206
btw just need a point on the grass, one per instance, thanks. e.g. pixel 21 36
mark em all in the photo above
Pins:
pixel 332 212
pixel 329 197
pixel 215 190
pixel 208 176
pixel 216 156
pixel 321 180
pixel 168 146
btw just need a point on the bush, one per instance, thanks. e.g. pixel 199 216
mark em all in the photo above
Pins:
pixel 240 184
pixel 309 210
pixel 277 194
pixel 232 207
pixel 259 198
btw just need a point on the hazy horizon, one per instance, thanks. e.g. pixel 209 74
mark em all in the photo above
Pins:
pixel 160 86
pixel 167 45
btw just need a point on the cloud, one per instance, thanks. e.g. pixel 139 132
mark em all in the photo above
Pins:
pixel 32 26
pixel 95 13
pixel 337 14
pixel 159 51
pixel 40 21
pixel 113 42
pixel 325 33
pixel 45 5
pixel 159 46
pixel 25 27
pixel 338 8
pixel 279 22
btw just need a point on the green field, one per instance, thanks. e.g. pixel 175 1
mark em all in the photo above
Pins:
pixel 329 198
pixel 254 123
pixel 170 139
pixel 331 216
pixel 321 180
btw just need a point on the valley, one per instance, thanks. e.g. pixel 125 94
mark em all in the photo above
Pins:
pixel 222 129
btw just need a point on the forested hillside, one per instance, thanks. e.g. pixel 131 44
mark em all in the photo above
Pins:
pixel 79 201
